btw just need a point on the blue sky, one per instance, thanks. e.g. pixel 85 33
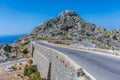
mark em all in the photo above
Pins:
pixel 21 16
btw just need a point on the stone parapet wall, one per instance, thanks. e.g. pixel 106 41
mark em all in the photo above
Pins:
pixel 54 65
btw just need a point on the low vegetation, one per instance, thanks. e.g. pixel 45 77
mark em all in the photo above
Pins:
pixel 60 42
pixel 106 33
pixel 69 38
pixel 30 61
pixel 25 51
pixel 44 38
pixel 14 68
pixel 24 44
pixel 88 34
pixel 36 76
pixel 7 48
pixel 32 72
pixel 114 37
pixel 20 71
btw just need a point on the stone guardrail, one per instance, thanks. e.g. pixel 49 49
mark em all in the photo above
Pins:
pixel 111 52
pixel 54 65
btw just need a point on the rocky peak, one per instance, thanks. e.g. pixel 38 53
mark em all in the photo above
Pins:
pixel 69 15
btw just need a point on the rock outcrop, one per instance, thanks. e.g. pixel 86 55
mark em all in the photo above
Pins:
pixel 3 54
pixel 68 25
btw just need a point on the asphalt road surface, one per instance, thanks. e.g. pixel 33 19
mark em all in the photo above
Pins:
pixel 13 62
pixel 100 66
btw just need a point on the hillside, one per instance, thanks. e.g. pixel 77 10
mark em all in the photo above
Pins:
pixel 68 25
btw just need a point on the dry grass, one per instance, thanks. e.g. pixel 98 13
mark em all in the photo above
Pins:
pixel 15 74
pixel 61 42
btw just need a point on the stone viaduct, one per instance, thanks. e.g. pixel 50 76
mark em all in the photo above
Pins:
pixel 54 65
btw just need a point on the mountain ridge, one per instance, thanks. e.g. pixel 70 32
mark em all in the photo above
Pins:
pixel 69 25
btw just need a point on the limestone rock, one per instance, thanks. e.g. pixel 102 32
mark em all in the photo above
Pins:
pixel 69 25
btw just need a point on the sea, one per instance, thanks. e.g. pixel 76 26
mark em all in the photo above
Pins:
pixel 9 39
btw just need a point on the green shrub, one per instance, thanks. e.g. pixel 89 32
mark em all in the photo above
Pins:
pixel 32 72
pixel 20 68
pixel 36 76
pixel 106 33
pixel 59 42
pixel 44 38
pixel 7 55
pixel 28 70
pixel 69 39
pixel 20 64
pixel 88 34
pixel 114 37
pixel 7 48
pixel 25 51
pixel 14 68
pixel 24 44
pixel 30 61
pixel 119 40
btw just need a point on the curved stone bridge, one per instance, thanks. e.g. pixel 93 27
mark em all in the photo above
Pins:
pixel 54 65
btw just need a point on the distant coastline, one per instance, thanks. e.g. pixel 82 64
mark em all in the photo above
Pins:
pixel 9 39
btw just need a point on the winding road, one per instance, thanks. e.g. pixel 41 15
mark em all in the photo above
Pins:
pixel 13 62
pixel 100 66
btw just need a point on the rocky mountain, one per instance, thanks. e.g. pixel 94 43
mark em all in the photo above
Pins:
pixel 68 25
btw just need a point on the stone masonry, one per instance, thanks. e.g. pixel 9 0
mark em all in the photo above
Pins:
pixel 54 65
